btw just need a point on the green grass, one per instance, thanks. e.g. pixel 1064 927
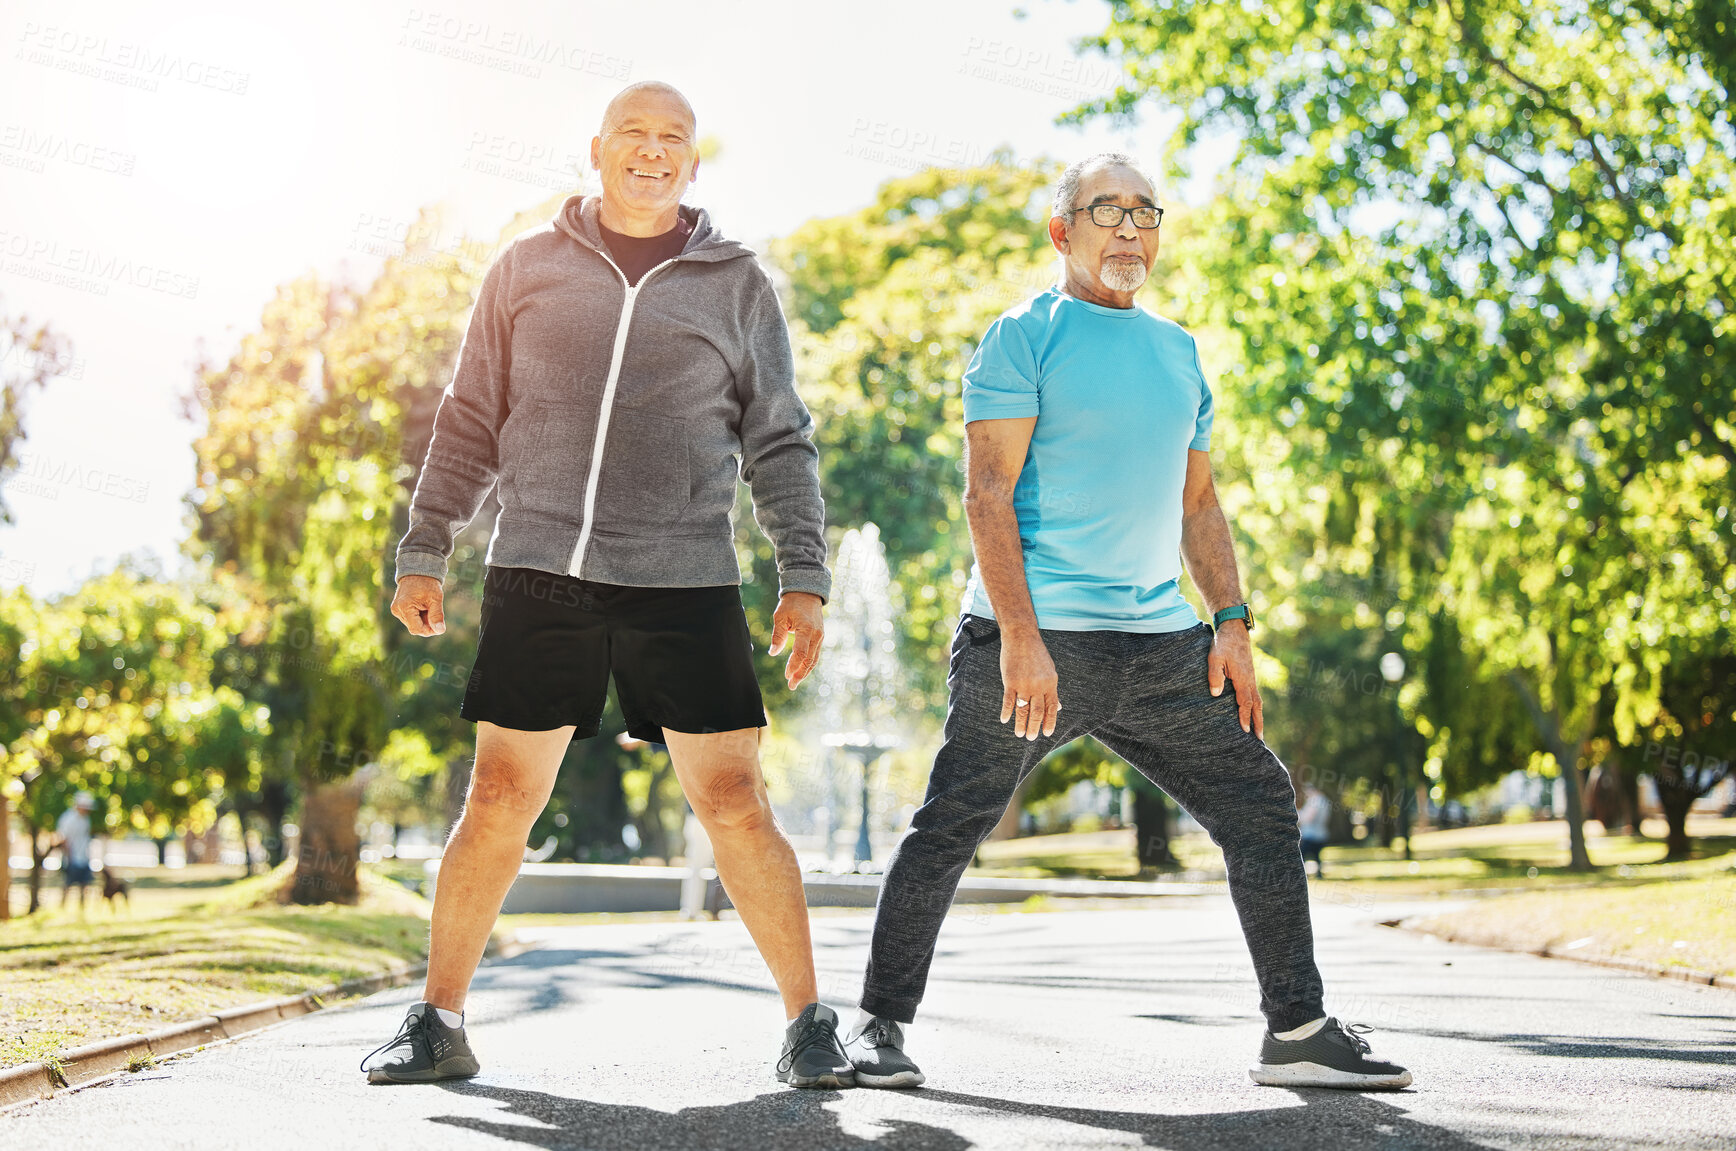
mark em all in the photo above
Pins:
pixel 1495 857
pixel 185 950
pixel 1687 923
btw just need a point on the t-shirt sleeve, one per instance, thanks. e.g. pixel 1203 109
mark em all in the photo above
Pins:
pixel 1202 440
pixel 1000 382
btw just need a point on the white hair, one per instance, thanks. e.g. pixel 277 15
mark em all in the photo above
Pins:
pixel 1067 188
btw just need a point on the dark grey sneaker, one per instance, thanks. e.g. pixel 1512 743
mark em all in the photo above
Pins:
pixel 425 1049
pixel 879 1058
pixel 812 1056
pixel 1334 1056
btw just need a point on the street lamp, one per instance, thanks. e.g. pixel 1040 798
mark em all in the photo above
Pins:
pixel 1392 670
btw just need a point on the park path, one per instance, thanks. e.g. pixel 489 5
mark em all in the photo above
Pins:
pixel 1075 1029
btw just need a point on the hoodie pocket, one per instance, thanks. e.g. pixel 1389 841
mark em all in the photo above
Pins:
pixel 646 479
pixel 542 470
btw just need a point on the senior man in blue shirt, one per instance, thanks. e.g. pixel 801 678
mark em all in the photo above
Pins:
pixel 1088 423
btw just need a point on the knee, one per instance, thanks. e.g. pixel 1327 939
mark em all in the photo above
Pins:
pixel 498 800
pixel 729 801
pixel 954 818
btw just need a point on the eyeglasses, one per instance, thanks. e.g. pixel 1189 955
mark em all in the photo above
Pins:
pixel 1111 215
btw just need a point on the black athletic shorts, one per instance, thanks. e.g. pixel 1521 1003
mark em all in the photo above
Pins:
pixel 681 656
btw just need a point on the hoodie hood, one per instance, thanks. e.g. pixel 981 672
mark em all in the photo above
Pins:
pixel 578 219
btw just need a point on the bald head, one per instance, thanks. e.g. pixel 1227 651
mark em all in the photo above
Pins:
pixel 646 92
pixel 646 154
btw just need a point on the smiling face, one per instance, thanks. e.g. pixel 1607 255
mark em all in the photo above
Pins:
pixel 647 156
pixel 1106 265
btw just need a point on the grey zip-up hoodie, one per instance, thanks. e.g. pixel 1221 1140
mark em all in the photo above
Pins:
pixel 613 417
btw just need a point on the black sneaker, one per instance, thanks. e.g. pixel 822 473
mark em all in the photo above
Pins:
pixel 879 1058
pixel 812 1056
pixel 1334 1056
pixel 425 1049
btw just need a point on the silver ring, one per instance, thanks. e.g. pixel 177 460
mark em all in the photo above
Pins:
pixel 1022 702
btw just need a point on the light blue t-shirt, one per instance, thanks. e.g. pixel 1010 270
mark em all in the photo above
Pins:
pixel 1119 399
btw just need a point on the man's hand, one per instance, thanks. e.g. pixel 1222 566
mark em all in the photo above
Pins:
pixel 418 604
pixel 1032 690
pixel 1233 654
pixel 798 621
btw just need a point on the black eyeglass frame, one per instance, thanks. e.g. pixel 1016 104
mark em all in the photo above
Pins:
pixel 1125 212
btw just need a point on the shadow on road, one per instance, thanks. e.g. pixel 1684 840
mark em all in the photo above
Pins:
pixel 800 1121
pixel 796 1120
pixel 1717 1051
pixel 1339 1119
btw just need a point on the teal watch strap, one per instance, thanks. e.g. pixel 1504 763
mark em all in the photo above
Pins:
pixel 1241 611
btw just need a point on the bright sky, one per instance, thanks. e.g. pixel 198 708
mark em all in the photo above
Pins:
pixel 164 167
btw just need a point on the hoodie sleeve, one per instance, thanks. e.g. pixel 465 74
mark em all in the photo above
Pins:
pixel 462 461
pixel 778 459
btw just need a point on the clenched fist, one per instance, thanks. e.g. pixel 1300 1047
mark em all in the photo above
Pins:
pixel 418 604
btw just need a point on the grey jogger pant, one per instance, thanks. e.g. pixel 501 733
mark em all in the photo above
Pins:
pixel 1145 697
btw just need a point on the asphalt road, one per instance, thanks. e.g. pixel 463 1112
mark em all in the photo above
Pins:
pixel 1100 1028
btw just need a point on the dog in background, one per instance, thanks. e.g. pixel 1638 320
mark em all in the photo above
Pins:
pixel 114 884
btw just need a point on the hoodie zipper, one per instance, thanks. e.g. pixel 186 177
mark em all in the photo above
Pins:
pixel 578 561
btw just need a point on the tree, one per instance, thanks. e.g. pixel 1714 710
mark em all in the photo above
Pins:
pixel 113 699
pixel 30 356
pixel 1476 259
pixel 886 305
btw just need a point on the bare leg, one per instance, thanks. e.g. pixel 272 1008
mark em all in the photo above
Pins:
pixel 515 772
pixel 720 772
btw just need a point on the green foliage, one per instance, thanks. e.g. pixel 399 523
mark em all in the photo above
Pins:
pixel 1470 266
pixel 886 305
pixel 30 356
pixel 111 696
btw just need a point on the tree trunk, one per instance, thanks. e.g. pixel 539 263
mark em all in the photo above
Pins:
pixel 37 855
pixel 653 830
pixel 1567 758
pixel 1573 790
pixel 1628 782
pixel 274 806
pixel 1676 800
pixel 1152 828
pixel 325 865
pixel 246 851
pixel 5 859
pixel 162 851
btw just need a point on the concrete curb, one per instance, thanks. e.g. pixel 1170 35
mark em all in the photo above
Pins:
pixel 1637 966
pixel 94 1062
pixel 25 1083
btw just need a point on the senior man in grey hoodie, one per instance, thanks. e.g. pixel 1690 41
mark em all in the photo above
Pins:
pixel 619 362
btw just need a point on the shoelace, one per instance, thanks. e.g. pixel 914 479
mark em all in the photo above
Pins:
pixel 412 1026
pixel 816 1028
pixel 878 1035
pixel 1353 1034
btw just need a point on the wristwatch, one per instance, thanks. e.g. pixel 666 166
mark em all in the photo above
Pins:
pixel 1241 611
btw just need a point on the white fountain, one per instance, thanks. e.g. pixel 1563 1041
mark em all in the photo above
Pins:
pixel 858 679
